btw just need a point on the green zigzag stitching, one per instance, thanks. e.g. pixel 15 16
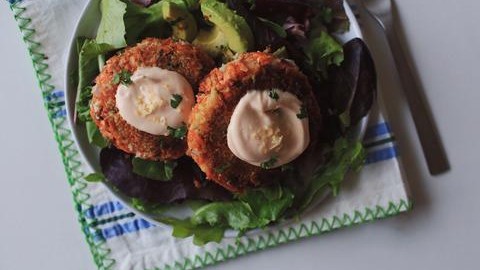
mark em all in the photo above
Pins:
pixel 286 235
pixel 63 137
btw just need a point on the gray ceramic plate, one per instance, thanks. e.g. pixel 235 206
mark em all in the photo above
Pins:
pixel 87 27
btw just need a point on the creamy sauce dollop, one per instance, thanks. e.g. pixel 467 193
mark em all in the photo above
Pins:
pixel 265 129
pixel 146 103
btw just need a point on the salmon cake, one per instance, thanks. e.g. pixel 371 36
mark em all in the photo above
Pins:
pixel 143 93
pixel 253 116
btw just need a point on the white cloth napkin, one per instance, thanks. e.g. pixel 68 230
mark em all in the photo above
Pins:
pixel 119 239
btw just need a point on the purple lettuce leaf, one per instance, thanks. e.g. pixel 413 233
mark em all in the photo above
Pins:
pixel 118 171
pixel 354 83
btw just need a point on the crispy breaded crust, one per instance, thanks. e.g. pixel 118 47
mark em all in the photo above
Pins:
pixel 218 96
pixel 181 57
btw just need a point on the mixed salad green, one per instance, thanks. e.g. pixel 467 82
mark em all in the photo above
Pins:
pixel 343 78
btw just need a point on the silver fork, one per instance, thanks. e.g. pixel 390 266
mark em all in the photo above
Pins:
pixel 381 11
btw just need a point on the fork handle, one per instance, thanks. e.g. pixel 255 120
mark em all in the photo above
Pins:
pixel 430 141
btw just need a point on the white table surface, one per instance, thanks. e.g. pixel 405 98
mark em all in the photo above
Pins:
pixel 38 226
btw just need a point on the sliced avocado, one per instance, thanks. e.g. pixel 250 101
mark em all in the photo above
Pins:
pixel 183 23
pixel 212 41
pixel 236 30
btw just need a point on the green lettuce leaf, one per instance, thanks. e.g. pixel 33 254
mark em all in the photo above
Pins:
pixel 94 177
pixel 268 203
pixel 125 23
pixel 110 31
pixel 151 208
pixel 83 104
pixel 202 234
pixel 156 170
pixel 254 209
pixel 88 63
pixel 346 156
pixel 236 215
pixel 94 136
pixel 278 29
pixel 323 51
pixel 88 68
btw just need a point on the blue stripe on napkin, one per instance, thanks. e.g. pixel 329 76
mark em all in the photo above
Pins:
pixel 380 147
pixel 121 229
pixel 103 209
pixel 55 95
pixel 377 130
pixel 60 113
pixel 382 154
pixel 56 103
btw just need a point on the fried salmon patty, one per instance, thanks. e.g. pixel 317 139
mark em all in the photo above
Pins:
pixel 218 96
pixel 168 54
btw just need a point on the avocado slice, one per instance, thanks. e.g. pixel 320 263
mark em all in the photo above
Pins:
pixel 212 41
pixel 238 34
pixel 183 23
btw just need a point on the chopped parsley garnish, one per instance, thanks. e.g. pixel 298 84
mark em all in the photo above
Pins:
pixel 160 171
pixel 176 100
pixel 303 113
pixel 222 168
pixel 94 177
pixel 273 94
pixel 178 133
pixel 269 163
pixel 122 77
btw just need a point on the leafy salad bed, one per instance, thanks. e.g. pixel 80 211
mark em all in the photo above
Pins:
pixel 343 78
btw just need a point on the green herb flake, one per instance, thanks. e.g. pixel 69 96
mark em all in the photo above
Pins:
pixel 123 77
pixel 160 171
pixel 303 113
pixel 269 163
pixel 222 168
pixel 178 133
pixel 273 94
pixel 176 100
pixel 94 177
